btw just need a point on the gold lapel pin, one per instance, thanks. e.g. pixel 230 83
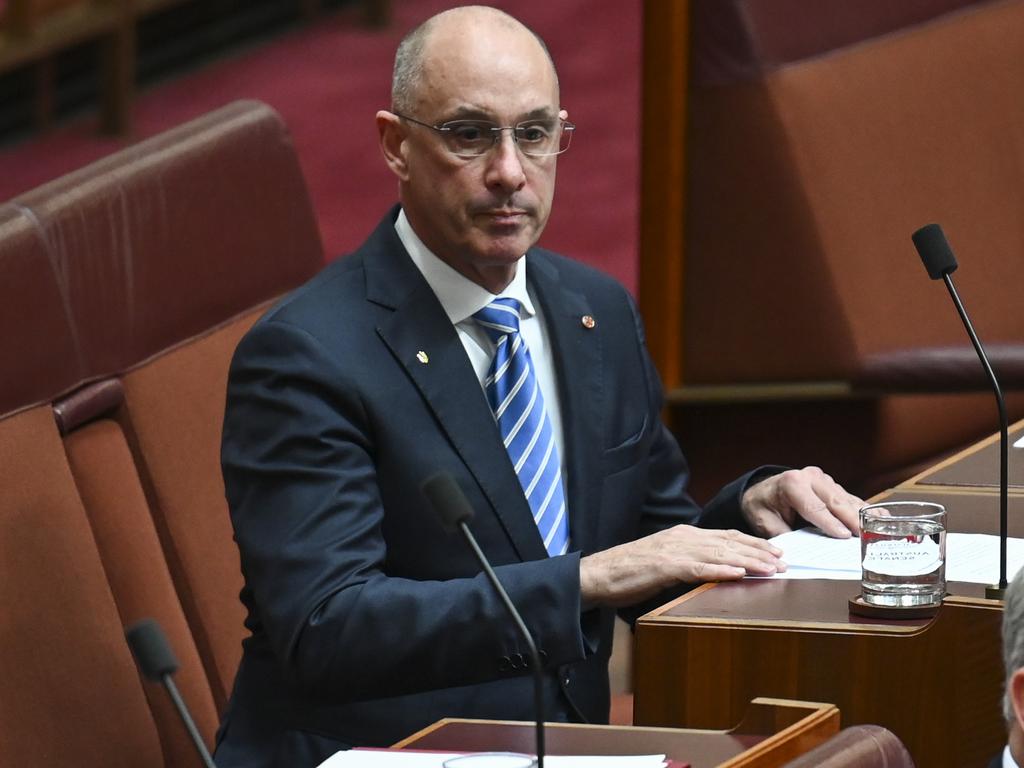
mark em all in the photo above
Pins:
pixel 588 322
pixel 422 357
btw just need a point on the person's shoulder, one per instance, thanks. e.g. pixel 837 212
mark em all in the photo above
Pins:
pixel 573 272
pixel 336 289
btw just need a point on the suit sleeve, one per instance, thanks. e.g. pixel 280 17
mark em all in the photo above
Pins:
pixel 667 501
pixel 298 461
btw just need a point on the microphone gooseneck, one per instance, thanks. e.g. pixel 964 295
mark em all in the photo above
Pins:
pixel 940 262
pixel 156 661
pixel 454 510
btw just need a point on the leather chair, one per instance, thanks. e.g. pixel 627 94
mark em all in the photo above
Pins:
pixel 127 285
pixel 859 746
pixel 821 135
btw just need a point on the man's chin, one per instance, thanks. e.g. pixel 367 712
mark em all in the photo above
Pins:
pixel 506 247
pixel 504 254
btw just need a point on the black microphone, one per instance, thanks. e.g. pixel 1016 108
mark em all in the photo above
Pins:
pixel 454 510
pixel 940 262
pixel 156 662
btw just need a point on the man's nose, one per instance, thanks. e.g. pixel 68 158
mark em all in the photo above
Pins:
pixel 505 164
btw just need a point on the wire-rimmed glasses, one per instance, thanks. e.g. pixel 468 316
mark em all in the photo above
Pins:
pixel 542 137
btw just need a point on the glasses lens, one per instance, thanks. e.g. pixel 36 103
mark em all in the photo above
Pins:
pixel 545 137
pixel 537 138
pixel 468 138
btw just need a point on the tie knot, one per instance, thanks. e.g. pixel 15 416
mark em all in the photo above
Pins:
pixel 499 318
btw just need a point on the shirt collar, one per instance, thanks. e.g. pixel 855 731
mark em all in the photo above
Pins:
pixel 459 296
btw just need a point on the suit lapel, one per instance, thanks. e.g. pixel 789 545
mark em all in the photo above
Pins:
pixel 423 340
pixel 577 354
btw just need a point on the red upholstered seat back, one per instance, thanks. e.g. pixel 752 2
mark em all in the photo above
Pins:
pixel 70 692
pixel 821 135
pixel 126 286
pixel 859 746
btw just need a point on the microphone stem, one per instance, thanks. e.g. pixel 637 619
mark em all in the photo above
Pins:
pixel 1004 427
pixel 538 675
pixel 190 726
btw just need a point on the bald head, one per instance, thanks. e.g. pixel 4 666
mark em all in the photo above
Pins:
pixel 482 73
pixel 458 27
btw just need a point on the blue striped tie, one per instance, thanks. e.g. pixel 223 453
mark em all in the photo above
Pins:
pixel 518 406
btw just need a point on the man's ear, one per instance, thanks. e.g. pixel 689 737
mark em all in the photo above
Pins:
pixel 392 136
pixel 1016 686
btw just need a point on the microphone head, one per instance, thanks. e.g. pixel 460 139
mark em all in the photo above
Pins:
pixel 934 250
pixel 151 650
pixel 448 500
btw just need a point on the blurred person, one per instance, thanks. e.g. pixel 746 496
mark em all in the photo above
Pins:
pixel 1013 659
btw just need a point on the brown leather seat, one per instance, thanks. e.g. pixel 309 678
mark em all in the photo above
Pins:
pixel 821 136
pixel 859 746
pixel 71 695
pixel 126 286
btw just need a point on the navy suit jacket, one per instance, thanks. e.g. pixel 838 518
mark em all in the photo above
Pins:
pixel 367 620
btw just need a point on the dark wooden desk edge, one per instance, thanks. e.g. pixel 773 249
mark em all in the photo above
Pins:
pixel 959 455
pixel 769 725
pixel 662 616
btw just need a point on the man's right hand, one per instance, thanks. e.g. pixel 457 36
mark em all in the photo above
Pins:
pixel 632 572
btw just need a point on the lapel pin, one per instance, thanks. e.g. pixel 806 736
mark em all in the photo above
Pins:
pixel 422 357
pixel 588 322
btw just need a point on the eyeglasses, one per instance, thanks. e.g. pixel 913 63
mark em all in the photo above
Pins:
pixel 473 138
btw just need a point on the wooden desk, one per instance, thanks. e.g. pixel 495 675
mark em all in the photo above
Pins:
pixel 976 469
pixel 771 733
pixel 937 684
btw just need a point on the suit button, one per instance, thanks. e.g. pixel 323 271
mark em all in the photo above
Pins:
pixel 505 664
pixel 519 661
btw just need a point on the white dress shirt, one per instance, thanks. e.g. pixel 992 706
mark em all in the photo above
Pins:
pixel 461 298
pixel 1008 761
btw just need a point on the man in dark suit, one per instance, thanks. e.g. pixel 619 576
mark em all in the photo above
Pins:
pixel 449 342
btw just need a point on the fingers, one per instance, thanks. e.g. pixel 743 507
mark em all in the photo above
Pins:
pixel 711 555
pixel 821 501
pixel 842 505
pixel 629 573
pixel 771 525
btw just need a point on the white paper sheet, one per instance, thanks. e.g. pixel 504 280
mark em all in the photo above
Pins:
pixel 383 758
pixel 970 557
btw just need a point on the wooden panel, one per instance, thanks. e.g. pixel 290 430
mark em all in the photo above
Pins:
pixel 772 732
pixel 936 685
pixel 662 182
pixel 977 468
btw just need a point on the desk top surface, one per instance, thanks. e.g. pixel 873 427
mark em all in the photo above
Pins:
pixel 698 748
pixel 978 466
pixel 822 603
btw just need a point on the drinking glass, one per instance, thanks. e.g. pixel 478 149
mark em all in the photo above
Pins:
pixel 903 553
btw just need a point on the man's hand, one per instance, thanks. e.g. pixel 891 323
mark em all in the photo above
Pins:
pixel 629 573
pixel 773 505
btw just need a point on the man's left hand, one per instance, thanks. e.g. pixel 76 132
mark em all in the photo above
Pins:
pixel 774 505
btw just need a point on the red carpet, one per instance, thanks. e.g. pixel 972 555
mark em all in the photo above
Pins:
pixel 329 79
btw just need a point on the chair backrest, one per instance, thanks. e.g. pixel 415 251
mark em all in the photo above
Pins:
pixel 820 140
pixel 70 693
pixel 126 286
pixel 859 746
pixel 136 571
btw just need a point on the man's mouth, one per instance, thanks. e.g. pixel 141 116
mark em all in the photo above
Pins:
pixel 505 215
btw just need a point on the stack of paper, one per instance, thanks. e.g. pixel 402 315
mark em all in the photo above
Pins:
pixel 970 557
pixel 384 758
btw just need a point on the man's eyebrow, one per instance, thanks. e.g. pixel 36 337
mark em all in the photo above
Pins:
pixel 541 113
pixel 474 113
